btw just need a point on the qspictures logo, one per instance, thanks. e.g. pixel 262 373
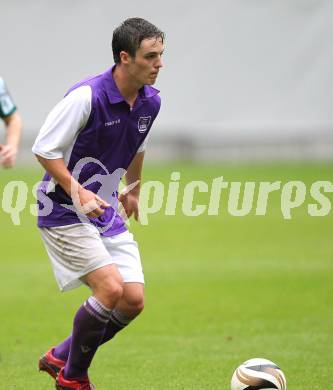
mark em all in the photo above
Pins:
pixel 217 197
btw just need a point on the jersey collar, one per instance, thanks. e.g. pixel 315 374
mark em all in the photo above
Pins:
pixel 113 93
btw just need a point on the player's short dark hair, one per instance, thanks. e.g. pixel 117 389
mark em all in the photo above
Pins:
pixel 129 35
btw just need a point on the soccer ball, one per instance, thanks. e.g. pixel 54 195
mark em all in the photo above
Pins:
pixel 258 374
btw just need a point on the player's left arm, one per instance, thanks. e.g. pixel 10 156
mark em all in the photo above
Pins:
pixel 130 197
pixel 9 151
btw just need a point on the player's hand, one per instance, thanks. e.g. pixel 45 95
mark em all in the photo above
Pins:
pixel 130 203
pixel 8 155
pixel 89 203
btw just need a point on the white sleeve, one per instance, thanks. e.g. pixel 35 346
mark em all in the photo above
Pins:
pixel 63 124
pixel 143 146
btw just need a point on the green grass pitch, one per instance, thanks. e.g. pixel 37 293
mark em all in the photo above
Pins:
pixel 219 290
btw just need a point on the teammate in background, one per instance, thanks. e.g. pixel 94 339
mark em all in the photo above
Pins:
pixel 8 112
pixel 100 126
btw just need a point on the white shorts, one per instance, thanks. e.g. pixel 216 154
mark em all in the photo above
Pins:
pixel 76 250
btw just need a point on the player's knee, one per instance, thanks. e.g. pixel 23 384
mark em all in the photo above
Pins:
pixel 136 304
pixel 110 292
pixel 137 309
pixel 114 290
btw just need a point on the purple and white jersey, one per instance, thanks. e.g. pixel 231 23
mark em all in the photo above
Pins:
pixel 97 134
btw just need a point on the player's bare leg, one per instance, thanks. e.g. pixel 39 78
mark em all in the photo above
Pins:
pixel 132 300
pixel 106 284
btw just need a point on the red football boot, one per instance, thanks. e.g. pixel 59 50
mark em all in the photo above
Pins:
pixel 68 384
pixel 50 364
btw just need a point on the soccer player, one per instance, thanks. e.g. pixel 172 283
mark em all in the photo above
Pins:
pixel 9 114
pixel 98 130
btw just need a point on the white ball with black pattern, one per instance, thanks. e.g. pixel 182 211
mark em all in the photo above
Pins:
pixel 258 374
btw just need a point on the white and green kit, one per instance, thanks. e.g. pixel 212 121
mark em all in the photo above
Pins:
pixel 7 106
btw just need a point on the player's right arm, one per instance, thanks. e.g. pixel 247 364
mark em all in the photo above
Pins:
pixel 56 137
pixel 85 201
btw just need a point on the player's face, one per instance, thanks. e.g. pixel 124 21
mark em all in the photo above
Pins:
pixel 145 66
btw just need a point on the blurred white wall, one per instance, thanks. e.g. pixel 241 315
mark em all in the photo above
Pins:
pixel 232 67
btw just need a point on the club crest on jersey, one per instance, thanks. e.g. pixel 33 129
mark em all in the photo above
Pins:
pixel 143 123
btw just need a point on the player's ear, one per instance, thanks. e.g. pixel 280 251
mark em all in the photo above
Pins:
pixel 125 58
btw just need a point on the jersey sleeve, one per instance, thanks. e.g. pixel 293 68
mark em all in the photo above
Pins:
pixel 63 124
pixel 7 106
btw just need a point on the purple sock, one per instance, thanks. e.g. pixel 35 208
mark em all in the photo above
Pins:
pixel 89 327
pixel 116 323
pixel 61 351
